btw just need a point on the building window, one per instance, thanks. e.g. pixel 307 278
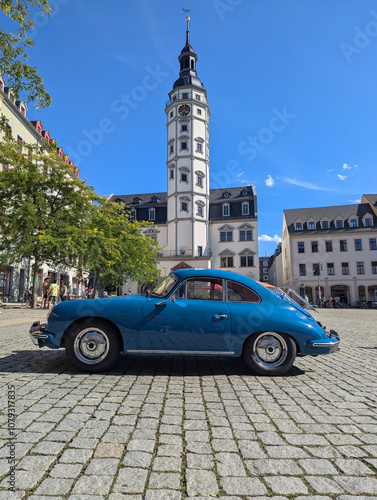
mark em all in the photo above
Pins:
pixel 314 246
pixel 311 226
pixel 185 95
pixel 171 150
pixel 325 224
pixel 152 214
pixel 197 97
pixel 301 247
pixel 199 180
pixel 330 269
pixel 246 235
pixel 199 111
pixel 328 246
pixel 353 223
pixel 200 211
pixel 343 245
pixel 171 114
pixel 372 244
pixel 8 131
pixel 358 246
pixel 184 206
pixel 360 267
pixel 298 226
pixel 226 262
pixel 368 222
pixel 339 224
pixel 302 269
pixel 133 214
pixel 199 147
pixel 183 177
pixel 245 208
pixel 171 174
pixel 5 280
pixel 184 128
pixel 247 261
pixel 226 210
pixel 226 235
pixel 316 271
pixel 345 269
pixel 200 251
pixel 183 145
pixel 374 267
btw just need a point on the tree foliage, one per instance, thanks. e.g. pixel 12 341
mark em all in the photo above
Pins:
pixel 44 206
pixel 21 77
pixel 115 249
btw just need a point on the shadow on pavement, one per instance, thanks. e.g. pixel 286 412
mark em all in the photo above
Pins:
pixel 56 362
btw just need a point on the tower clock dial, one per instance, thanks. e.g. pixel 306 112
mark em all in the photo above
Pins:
pixel 184 109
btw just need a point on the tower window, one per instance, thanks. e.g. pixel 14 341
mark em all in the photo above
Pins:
pixel 199 147
pixel 197 97
pixel 184 128
pixel 171 150
pixel 192 64
pixel 184 206
pixel 200 211
pixel 171 114
pixel 184 145
pixel 171 174
pixel 199 181
pixel 183 177
pixel 185 95
pixel 199 111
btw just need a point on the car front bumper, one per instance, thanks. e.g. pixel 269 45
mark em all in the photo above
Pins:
pixel 37 333
pixel 331 343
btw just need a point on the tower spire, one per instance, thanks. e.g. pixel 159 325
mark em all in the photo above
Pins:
pixel 188 26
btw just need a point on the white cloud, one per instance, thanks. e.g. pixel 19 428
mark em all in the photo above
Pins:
pixel 305 185
pixel 270 181
pixel 355 201
pixel 342 177
pixel 241 174
pixel 270 239
pixel 346 167
pixel 330 170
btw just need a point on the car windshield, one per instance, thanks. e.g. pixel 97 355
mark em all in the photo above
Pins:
pixel 165 286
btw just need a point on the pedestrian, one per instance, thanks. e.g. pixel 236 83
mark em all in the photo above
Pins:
pixel 331 302
pixel 89 292
pixel 45 287
pixel 63 292
pixel 53 293
pixel 324 301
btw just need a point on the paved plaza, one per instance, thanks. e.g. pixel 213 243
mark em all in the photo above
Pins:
pixel 172 427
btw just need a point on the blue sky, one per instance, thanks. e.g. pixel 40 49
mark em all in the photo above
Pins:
pixel 291 86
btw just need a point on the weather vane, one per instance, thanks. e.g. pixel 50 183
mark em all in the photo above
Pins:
pixel 187 20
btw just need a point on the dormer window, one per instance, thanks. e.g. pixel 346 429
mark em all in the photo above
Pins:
pixel 226 195
pixel 325 224
pixel 245 192
pixel 154 199
pixel 339 224
pixel 245 208
pixel 353 223
pixel 136 200
pixel 368 222
pixel 298 226
pixel 11 97
pixel 226 209
pixel 311 226
pixel 23 110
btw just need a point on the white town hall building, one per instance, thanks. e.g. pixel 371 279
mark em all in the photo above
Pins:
pixel 196 226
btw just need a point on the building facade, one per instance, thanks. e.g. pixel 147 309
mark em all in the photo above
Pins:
pixel 332 251
pixel 17 278
pixel 196 226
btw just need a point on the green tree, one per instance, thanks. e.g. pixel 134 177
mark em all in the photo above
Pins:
pixel 116 251
pixel 45 205
pixel 21 77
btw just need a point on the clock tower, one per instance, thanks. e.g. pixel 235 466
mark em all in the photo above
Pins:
pixel 187 163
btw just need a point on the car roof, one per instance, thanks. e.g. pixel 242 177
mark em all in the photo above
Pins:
pixel 212 273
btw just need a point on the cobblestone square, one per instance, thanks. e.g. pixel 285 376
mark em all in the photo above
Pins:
pixel 177 428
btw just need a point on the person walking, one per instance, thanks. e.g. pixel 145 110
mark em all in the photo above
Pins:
pixel 45 287
pixel 53 293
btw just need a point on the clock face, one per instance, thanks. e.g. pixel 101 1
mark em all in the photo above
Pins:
pixel 184 109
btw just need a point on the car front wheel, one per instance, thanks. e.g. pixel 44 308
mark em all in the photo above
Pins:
pixel 93 346
pixel 269 353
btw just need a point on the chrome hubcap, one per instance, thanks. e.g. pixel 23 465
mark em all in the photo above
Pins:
pixel 91 345
pixel 270 349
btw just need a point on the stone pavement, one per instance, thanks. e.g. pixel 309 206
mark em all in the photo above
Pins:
pixel 171 427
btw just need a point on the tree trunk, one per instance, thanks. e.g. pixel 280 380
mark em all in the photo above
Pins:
pixel 35 281
pixel 96 281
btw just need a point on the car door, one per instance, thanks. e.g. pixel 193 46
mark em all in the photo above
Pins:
pixel 195 319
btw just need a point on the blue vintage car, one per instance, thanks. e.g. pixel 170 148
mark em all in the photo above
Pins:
pixel 191 312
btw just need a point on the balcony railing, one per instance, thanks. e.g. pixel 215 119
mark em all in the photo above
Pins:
pixel 185 253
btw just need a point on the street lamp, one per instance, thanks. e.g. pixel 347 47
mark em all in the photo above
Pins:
pixel 319 288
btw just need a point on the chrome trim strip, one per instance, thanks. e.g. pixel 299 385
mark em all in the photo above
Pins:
pixel 208 353
pixel 38 335
pixel 324 344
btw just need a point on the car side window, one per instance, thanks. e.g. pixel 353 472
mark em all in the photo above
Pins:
pixel 240 293
pixel 200 289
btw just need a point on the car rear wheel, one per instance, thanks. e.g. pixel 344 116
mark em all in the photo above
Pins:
pixel 269 353
pixel 93 346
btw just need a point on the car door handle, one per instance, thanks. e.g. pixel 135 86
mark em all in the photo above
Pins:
pixel 220 316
